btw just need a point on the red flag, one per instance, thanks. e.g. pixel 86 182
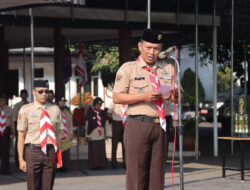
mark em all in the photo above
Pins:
pixel 81 67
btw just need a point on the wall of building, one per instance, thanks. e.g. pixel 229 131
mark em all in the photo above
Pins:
pixel 47 63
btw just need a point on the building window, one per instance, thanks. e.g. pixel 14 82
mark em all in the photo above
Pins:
pixel 38 73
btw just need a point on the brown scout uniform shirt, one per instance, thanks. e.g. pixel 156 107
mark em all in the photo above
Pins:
pixel 8 114
pixel 29 121
pixel 16 109
pixel 69 123
pixel 133 78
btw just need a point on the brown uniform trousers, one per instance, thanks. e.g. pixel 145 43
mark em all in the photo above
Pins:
pixel 146 148
pixel 4 150
pixel 41 168
pixel 66 160
pixel 117 136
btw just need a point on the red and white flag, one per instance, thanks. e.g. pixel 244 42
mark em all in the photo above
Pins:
pixel 2 122
pixel 81 67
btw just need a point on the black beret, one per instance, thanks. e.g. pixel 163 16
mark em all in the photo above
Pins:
pixel 51 91
pixel 97 100
pixel 23 91
pixel 152 36
pixel 62 99
pixel 41 84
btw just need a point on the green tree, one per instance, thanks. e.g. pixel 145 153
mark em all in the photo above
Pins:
pixel 223 79
pixel 188 84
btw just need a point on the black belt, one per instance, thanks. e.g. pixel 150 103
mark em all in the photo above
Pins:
pixel 38 146
pixel 145 118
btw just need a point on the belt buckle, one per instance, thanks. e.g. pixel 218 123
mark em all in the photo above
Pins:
pixel 156 120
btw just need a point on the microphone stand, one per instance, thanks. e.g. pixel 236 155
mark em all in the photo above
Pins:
pixel 180 128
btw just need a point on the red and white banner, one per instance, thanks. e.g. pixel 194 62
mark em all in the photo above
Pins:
pixel 81 67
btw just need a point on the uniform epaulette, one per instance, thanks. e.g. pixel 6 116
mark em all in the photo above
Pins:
pixel 124 65
pixel 26 105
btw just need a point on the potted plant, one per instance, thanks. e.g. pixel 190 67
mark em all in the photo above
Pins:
pixel 188 134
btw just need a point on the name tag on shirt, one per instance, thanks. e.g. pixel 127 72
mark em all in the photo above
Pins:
pixel 139 77
pixel 166 76
pixel 33 115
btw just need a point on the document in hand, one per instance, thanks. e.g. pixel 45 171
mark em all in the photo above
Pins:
pixel 165 90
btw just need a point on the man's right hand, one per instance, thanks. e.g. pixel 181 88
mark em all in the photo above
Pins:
pixel 22 166
pixel 151 96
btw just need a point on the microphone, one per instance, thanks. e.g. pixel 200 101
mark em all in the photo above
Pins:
pixel 164 53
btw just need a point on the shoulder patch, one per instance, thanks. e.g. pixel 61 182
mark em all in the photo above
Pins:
pixel 119 75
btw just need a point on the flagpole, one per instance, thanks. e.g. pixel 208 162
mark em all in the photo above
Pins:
pixel 79 124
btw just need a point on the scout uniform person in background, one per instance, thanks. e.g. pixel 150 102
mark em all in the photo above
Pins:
pixel 95 134
pixel 145 137
pixel 51 97
pixel 24 95
pixel 67 132
pixel 39 128
pixel 114 112
pixel 5 130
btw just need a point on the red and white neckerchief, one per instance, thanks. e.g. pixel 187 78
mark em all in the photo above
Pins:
pixel 46 127
pixel 159 102
pixel 65 130
pixel 123 115
pixel 99 121
pixel 2 122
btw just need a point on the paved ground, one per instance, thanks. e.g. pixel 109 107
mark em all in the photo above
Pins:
pixel 202 174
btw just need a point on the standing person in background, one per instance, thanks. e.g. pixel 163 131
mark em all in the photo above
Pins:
pixel 24 95
pixel 51 97
pixel 114 112
pixel 5 130
pixel 95 134
pixel 67 134
pixel 39 128
pixel 146 139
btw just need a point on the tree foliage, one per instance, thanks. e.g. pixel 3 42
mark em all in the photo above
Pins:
pixel 224 79
pixel 241 54
pixel 188 84
pixel 105 59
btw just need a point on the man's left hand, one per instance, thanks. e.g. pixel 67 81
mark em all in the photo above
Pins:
pixel 174 95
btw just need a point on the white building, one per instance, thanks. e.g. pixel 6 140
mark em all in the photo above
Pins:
pixel 44 68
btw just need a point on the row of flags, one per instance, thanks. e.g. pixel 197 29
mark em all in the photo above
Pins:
pixel 80 66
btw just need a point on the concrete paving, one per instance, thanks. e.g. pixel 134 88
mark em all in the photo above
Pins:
pixel 205 174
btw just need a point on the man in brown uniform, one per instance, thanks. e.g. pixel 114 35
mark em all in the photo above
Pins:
pixel 24 95
pixel 145 136
pixel 51 97
pixel 67 134
pixel 5 130
pixel 39 128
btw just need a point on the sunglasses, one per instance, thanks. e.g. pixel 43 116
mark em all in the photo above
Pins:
pixel 43 91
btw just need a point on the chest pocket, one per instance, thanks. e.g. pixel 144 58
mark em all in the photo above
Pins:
pixel 33 125
pixel 139 86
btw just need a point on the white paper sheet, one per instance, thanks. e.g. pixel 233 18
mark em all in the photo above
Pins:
pixel 165 90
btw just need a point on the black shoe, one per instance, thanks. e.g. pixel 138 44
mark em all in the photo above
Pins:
pixel 124 166
pixel 5 173
pixel 114 167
